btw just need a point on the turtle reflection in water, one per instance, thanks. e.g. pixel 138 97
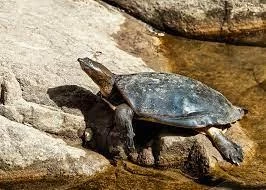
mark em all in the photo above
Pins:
pixel 168 99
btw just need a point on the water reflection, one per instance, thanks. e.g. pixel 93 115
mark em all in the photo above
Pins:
pixel 239 72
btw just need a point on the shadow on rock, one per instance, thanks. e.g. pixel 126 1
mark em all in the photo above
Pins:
pixel 98 116
pixel 157 145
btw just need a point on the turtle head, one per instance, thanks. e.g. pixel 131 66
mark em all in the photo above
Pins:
pixel 99 74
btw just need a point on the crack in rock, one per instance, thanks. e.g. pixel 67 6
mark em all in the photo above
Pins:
pixel 2 94
pixel 228 6
pixel 44 118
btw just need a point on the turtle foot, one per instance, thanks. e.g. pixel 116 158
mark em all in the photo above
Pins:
pixel 228 149
pixel 233 152
pixel 123 120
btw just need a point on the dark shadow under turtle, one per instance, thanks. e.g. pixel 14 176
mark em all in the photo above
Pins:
pixel 97 115
pixel 164 98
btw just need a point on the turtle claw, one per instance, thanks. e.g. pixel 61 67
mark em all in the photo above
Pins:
pixel 233 153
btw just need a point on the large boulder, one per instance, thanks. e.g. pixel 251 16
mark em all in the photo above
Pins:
pixel 39 56
pixel 44 95
pixel 34 154
pixel 228 20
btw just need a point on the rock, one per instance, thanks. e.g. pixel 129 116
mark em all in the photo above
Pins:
pixel 41 83
pixel 229 20
pixel 43 89
pixel 88 134
pixel 9 87
pixel 45 56
pixel 146 157
pixel 174 150
pixel 38 155
pixel 45 118
pixel 194 153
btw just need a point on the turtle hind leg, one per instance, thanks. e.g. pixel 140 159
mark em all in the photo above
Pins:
pixel 229 149
pixel 123 121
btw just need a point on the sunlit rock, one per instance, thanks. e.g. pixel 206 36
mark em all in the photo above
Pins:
pixel 231 21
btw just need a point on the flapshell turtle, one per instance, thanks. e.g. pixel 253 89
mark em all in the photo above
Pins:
pixel 169 99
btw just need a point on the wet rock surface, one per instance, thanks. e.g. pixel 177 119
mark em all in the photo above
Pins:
pixel 230 21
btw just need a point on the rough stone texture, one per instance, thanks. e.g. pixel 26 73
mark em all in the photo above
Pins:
pixel 42 54
pixel 174 150
pixel 145 156
pixel 43 87
pixel 26 149
pixel 194 153
pixel 42 117
pixel 39 47
pixel 229 20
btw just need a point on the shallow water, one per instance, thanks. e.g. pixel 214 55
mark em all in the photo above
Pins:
pixel 239 72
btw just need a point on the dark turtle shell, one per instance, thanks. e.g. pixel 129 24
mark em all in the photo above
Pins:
pixel 176 100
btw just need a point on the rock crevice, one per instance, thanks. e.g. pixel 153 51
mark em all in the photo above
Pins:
pixel 2 94
pixel 23 147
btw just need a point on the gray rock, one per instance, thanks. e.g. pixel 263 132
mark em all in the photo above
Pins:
pixel 9 88
pixel 174 150
pixel 42 87
pixel 26 149
pixel 229 20
pixel 41 83
pixel 42 54
pixel 42 117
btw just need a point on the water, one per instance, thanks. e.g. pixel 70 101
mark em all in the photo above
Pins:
pixel 239 72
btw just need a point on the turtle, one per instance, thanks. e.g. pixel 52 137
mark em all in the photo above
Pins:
pixel 169 99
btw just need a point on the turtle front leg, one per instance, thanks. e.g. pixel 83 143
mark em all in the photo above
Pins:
pixel 123 121
pixel 229 149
